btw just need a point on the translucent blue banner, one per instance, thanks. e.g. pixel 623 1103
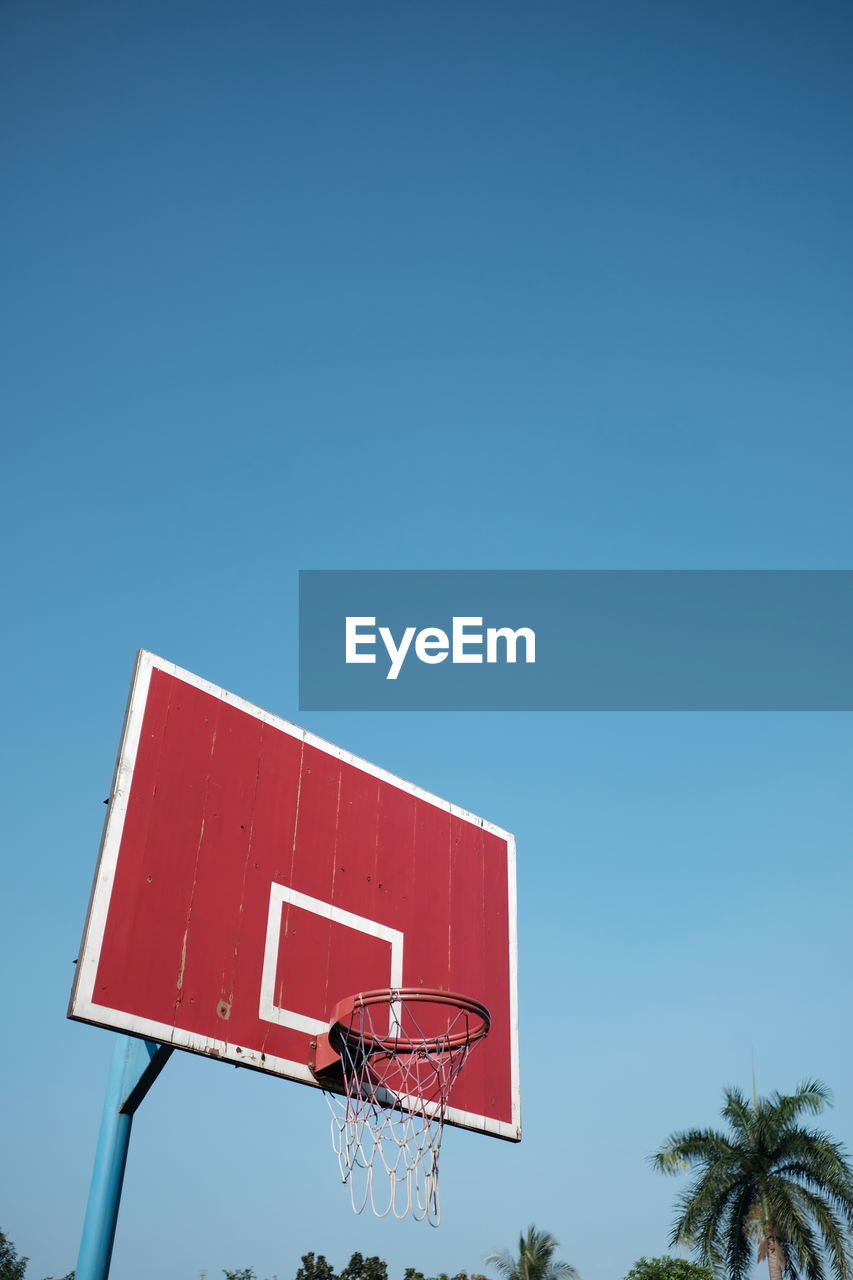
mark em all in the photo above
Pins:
pixel 585 640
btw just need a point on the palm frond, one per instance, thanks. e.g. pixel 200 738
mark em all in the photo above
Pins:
pixel 737 1110
pixel 563 1271
pixel 830 1226
pixel 735 1244
pixel 692 1146
pixel 503 1262
pixel 535 1260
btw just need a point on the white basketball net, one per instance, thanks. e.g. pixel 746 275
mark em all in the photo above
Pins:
pixel 387 1125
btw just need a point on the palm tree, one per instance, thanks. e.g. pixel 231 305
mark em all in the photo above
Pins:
pixel 535 1260
pixel 768 1181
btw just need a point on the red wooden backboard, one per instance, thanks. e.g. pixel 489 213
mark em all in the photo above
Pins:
pixel 252 875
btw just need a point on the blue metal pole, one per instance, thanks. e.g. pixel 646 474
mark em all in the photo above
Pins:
pixel 135 1066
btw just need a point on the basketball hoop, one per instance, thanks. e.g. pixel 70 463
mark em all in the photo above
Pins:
pixel 392 1058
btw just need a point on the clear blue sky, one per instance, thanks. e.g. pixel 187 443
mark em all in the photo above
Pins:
pixel 484 285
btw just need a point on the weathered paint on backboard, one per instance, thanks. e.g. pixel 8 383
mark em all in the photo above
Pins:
pixel 252 875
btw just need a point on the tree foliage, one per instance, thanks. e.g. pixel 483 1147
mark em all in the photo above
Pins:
pixel 315 1268
pixel 412 1274
pixel 767 1182
pixel 534 1260
pixel 11 1266
pixel 668 1268
pixel 360 1268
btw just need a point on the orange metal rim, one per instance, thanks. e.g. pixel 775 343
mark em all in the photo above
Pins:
pixel 411 995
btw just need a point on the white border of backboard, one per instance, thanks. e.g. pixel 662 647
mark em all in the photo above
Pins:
pixel 83 1005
